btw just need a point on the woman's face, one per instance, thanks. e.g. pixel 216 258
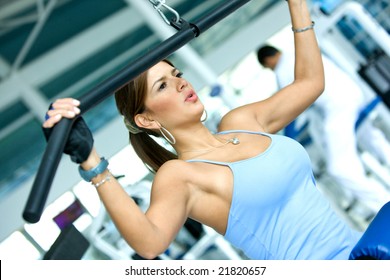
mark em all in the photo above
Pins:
pixel 170 97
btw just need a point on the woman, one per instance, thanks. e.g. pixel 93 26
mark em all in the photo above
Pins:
pixel 251 186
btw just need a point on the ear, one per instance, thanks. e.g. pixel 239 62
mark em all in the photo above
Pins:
pixel 144 121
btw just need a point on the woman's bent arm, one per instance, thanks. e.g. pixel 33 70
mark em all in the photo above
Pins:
pixel 150 233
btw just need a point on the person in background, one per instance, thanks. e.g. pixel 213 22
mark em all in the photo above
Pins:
pixel 332 119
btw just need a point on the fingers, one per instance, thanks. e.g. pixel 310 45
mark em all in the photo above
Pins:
pixel 66 107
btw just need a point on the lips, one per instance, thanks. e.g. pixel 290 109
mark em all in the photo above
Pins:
pixel 191 97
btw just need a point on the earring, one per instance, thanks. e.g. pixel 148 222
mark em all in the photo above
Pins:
pixel 167 135
pixel 204 116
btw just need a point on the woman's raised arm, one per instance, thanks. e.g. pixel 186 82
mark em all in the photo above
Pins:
pixel 277 111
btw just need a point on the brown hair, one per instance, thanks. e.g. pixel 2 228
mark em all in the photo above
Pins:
pixel 130 101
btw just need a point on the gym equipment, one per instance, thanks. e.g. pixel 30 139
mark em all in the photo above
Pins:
pixel 375 242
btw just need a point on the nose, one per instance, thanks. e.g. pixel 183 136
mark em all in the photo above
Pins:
pixel 181 84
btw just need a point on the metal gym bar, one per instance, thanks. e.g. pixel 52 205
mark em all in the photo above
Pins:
pixel 55 146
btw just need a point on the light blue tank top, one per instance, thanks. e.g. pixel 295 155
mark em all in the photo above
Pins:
pixel 277 212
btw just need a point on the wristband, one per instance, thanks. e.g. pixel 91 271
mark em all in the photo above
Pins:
pixel 87 175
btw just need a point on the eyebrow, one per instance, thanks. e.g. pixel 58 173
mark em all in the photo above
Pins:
pixel 163 77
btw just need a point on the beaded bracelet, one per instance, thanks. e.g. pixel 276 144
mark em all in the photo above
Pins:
pixel 299 30
pixel 98 184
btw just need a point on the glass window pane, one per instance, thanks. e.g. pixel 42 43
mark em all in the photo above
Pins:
pixel 21 152
pixel 12 113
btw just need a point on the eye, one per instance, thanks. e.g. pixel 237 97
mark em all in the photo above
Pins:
pixel 179 74
pixel 162 86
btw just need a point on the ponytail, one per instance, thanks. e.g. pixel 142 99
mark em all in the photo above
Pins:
pixel 149 151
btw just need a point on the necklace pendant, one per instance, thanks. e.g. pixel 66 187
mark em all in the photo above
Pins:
pixel 235 141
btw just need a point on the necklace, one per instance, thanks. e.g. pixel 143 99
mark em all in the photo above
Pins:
pixel 234 141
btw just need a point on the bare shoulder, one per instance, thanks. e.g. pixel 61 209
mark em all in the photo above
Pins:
pixel 170 188
pixel 241 118
pixel 172 166
pixel 172 173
